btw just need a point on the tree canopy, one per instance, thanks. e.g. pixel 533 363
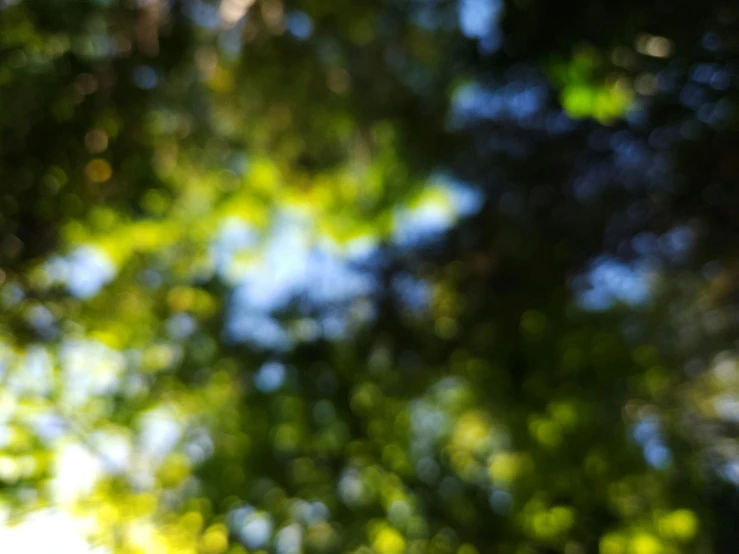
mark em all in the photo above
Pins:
pixel 445 276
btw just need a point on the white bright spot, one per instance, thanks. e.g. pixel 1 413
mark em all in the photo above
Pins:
pixel 47 531
pixel 90 369
pixel 231 11
pixel 290 539
pixel 160 431
pixel 76 472
pixel 424 222
pixel 85 271
pixel 256 530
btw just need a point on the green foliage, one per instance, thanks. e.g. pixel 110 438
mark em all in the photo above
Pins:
pixel 271 280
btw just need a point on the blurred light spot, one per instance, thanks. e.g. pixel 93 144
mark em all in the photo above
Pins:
pixel 422 223
pixel 36 377
pixel 517 101
pixel 204 14
pixel 655 46
pixel 730 472
pixel 647 433
pixel 646 84
pixel 351 489
pixel 679 524
pixel 299 24
pixel 289 539
pixel 260 330
pixel 613 543
pixel 465 199
pixel 644 543
pixel 85 271
pixel 324 412
pixel 160 432
pixel 389 541
pixel 233 236
pixel 236 517
pixel 230 40
pixel 676 242
pixel 702 73
pixel 479 19
pixel 11 294
pixel 145 77
pixel 45 531
pixel 214 540
pixel 307 330
pixel 180 326
pixel 413 292
pixel 231 11
pixel 501 502
pixel 98 170
pixel 40 318
pixel 200 445
pixel 610 281
pixel 96 141
pixel 270 377
pixel 90 369
pixel 86 83
pixel 338 80
pixel 256 530
pixel 657 455
pixel 316 513
pixel 427 470
pixel 334 326
pixel 291 269
pixel 76 472
pixel 399 512
pixel 114 449
pixel 48 426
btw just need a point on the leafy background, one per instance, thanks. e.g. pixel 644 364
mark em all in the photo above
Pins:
pixel 381 277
